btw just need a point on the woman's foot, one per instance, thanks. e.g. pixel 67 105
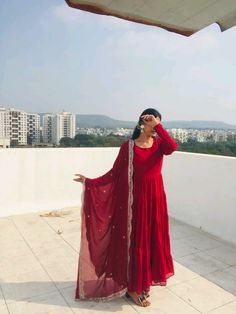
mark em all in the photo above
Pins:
pixel 146 294
pixel 139 299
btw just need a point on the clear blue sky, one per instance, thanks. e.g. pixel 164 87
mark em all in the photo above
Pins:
pixel 54 57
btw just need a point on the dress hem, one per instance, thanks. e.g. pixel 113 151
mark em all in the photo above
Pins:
pixel 104 299
pixel 123 292
pixel 157 283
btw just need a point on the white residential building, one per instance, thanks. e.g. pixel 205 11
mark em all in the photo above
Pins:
pixel 13 125
pixel 47 128
pixel 63 126
pixel 18 125
pixel 4 127
pixel 201 138
pixel 180 134
pixel 33 127
pixel 220 136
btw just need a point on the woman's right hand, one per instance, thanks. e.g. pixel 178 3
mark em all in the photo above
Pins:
pixel 80 179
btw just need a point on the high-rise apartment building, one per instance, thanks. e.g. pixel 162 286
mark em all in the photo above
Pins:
pixel 4 129
pixel 18 125
pixel 33 127
pixel 47 128
pixel 24 127
pixel 13 125
pixel 63 125
pixel 4 124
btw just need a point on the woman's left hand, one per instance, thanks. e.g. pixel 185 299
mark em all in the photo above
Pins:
pixel 150 119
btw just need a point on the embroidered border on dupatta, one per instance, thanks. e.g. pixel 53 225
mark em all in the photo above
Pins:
pixel 81 287
pixel 130 200
pixel 105 299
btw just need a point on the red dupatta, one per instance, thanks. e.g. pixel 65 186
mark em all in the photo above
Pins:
pixel 106 215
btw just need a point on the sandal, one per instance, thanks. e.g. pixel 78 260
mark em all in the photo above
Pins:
pixel 146 294
pixel 139 300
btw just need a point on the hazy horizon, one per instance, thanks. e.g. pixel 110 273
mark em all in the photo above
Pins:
pixel 54 57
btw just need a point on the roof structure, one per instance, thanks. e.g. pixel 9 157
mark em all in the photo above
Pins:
pixel 184 17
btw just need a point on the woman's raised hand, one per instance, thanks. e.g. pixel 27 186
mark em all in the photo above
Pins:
pixel 150 119
pixel 80 179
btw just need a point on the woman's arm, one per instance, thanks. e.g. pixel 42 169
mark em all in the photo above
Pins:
pixel 167 144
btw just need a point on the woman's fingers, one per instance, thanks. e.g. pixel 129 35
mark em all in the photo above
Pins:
pixel 80 179
pixel 77 174
pixel 144 118
pixel 148 118
pixel 77 180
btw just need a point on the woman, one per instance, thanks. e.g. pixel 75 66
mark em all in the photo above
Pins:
pixel 125 243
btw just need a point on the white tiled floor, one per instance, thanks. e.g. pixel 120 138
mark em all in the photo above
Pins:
pixel 38 269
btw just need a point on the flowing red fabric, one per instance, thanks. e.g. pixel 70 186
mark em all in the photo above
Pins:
pixel 125 241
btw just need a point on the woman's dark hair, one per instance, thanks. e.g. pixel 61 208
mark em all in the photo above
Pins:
pixel 137 129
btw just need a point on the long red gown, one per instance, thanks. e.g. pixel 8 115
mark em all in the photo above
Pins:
pixel 125 241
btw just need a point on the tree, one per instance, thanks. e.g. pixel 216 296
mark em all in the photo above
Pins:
pixel 29 139
pixel 66 142
pixel 85 140
pixel 14 143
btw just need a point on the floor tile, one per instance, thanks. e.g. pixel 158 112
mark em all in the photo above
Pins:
pixel 202 294
pixel 163 301
pixel 3 309
pixel 224 253
pixel 179 248
pixel 225 278
pixel 201 263
pixel 25 285
pixel 229 308
pixel 50 303
pixel 182 274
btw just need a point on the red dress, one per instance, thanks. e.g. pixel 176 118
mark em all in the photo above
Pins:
pixel 151 260
pixel 125 241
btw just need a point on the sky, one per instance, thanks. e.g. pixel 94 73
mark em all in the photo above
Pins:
pixel 57 58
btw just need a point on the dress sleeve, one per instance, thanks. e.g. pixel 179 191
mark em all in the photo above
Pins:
pixel 167 144
pixel 108 176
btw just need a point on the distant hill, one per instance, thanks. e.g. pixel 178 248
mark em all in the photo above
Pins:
pixel 84 120
pixel 92 120
pixel 198 124
pixel 96 120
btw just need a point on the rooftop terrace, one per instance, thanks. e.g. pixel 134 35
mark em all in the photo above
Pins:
pixel 39 259
pixel 39 254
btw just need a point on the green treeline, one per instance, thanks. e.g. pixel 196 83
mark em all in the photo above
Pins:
pixel 85 140
pixel 226 148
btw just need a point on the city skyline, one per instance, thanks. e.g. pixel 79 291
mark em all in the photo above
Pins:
pixel 25 128
pixel 109 117
pixel 90 64
pixel 18 127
